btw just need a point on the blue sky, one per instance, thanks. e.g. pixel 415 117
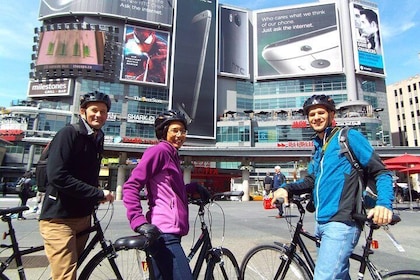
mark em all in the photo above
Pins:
pixel 400 27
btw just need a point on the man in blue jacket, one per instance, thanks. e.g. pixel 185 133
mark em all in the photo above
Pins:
pixel 278 180
pixel 334 185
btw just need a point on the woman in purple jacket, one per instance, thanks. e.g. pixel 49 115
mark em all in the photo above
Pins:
pixel 160 172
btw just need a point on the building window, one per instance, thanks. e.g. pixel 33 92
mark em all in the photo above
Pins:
pixel 48 122
pixel 140 130
pixel 112 128
pixel 233 134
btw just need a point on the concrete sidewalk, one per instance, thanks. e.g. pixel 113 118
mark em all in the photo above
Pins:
pixel 246 225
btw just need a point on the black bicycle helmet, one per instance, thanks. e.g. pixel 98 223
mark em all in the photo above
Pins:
pixel 163 120
pixel 321 99
pixel 95 96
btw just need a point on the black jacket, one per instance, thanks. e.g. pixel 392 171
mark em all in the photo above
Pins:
pixel 73 166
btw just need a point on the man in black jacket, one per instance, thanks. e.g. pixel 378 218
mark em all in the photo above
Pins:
pixel 74 161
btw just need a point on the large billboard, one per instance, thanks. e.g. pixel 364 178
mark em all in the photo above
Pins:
pixel 81 49
pixel 151 11
pixel 194 76
pixel 145 55
pixel 233 42
pixel 367 39
pixel 298 41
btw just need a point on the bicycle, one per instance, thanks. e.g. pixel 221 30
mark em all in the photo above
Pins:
pixel 282 261
pixel 120 263
pixel 221 263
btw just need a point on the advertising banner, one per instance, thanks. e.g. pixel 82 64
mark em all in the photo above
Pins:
pixel 73 49
pixel 145 56
pixel 299 41
pixel 194 74
pixel 367 44
pixel 151 11
pixel 233 42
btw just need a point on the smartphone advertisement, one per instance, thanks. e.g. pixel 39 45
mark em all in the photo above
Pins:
pixel 233 42
pixel 367 40
pixel 145 56
pixel 194 75
pixel 300 41
pixel 151 11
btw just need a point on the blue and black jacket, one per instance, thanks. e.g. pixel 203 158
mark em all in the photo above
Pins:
pixel 333 180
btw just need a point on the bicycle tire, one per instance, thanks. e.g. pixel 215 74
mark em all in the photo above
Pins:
pixel 402 274
pixel 131 264
pixel 222 265
pixel 266 261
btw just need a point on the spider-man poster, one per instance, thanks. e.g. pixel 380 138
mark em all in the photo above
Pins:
pixel 145 57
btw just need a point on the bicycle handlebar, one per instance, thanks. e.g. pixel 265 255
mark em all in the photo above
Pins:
pixel 227 194
pixel 357 216
pixel 363 218
pixel 199 201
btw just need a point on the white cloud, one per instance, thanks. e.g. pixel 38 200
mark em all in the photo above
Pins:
pixel 391 31
pixel 396 20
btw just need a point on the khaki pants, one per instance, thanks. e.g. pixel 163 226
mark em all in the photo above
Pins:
pixel 61 245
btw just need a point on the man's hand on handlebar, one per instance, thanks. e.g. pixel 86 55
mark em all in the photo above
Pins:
pixel 108 196
pixel 380 215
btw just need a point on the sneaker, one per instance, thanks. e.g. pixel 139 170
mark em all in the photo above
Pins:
pixel 21 218
pixel 279 216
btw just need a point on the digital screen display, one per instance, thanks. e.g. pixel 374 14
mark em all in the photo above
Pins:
pixel 79 49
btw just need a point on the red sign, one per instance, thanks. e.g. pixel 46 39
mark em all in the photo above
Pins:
pixel 295 144
pixel 206 170
pixel 138 140
pixel 12 134
pixel 299 124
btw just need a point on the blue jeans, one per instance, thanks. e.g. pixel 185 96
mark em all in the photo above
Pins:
pixel 337 243
pixel 169 259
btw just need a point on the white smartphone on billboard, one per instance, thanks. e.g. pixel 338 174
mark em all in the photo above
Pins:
pixel 313 52
pixel 200 24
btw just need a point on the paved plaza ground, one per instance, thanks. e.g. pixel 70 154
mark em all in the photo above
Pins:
pixel 246 225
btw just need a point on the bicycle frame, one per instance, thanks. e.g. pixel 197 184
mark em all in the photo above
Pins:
pixel 207 251
pixel 17 253
pixel 99 237
pixel 364 259
pixel 297 242
pixel 204 241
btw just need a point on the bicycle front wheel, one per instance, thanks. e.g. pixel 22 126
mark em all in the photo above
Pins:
pixel 119 264
pixel 271 262
pixel 222 265
pixel 403 274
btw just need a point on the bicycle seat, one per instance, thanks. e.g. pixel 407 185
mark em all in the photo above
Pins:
pixel 13 210
pixel 132 242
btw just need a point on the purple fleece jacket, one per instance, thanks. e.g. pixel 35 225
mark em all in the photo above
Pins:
pixel 160 172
